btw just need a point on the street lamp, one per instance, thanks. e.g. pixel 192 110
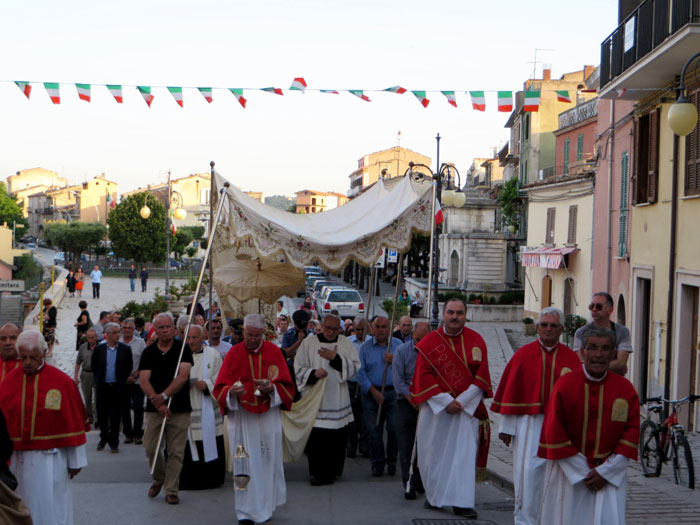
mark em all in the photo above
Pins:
pixel 450 197
pixel 683 117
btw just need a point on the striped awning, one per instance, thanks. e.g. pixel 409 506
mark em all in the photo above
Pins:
pixel 546 257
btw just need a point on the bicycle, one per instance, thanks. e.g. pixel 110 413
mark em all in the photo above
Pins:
pixel 660 443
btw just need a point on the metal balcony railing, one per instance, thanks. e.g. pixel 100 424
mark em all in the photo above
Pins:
pixel 643 30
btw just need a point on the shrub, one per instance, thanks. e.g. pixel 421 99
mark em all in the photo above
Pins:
pixel 528 320
pixel 388 307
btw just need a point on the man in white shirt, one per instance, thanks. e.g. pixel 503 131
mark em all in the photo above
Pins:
pixel 214 329
pixel 96 276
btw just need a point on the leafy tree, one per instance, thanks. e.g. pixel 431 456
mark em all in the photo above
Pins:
pixel 184 237
pixel 134 237
pixel 191 251
pixel 280 201
pixel 10 210
pixel 74 237
pixel 28 270
pixel 510 203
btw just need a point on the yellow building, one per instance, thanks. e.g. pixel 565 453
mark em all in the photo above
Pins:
pixel 664 190
pixel 30 182
pixel 311 201
pixel 60 204
pixel 7 253
pixel 257 195
pixel 393 162
pixel 94 202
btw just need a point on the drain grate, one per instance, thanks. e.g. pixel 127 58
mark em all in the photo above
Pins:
pixel 451 521
pixel 497 507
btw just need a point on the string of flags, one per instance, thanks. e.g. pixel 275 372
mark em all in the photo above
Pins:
pixel 504 99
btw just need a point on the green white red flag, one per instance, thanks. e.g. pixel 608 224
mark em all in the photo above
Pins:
pixel 330 91
pixel 439 217
pixel 83 91
pixel 176 92
pixel 298 84
pixel 238 93
pixel 532 101
pixel 563 96
pixel 274 90
pixel 53 90
pixel 206 93
pixel 24 87
pixel 359 94
pixel 505 101
pixel 396 89
pixel 478 100
pixel 451 98
pixel 116 91
pixel 420 95
pixel 110 201
pixel 146 94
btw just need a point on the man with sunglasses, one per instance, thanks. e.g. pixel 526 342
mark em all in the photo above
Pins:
pixel 522 398
pixel 601 308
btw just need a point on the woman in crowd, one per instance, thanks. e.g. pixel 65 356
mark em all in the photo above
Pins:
pixel 70 283
pixel 79 280
pixel 82 324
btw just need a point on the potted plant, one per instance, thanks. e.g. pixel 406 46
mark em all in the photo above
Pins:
pixel 530 327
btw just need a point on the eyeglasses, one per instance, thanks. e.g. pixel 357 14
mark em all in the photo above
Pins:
pixel 595 306
pixel 550 325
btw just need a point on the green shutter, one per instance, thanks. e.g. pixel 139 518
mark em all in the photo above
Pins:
pixel 624 172
pixel 566 156
pixel 579 148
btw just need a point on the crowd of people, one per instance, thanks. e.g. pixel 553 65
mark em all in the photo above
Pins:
pixel 413 398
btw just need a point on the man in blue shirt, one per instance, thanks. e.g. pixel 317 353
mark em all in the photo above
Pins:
pixel 96 276
pixel 376 355
pixel 403 368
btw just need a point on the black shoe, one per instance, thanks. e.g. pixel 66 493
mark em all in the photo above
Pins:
pixel 470 514
pixel 411 494
pixel 419 488
pixel 391 470
pixel 101 445
pixel 377 472
pixel 246 522
pixel 428 506
pixel 115 450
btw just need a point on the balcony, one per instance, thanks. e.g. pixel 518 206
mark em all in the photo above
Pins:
pixel 648 49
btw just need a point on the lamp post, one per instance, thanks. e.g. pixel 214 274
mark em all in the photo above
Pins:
pixel 682 116
pixel 444 193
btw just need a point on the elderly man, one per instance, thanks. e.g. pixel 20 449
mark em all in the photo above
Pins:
pixel 522 398
pixel 601 308
pixel 405 329
pixel 252 386
pixel 82 374
pixel 357 431
pixel 214 330
pixel 376 355
pixel 450 382
pixel 331 356
pixel 133 430
pixel 204 466
pixel 111 364
pixel 162 379
pixel 46 420
pixel 590 432
pixel 403 368
pixel 9 359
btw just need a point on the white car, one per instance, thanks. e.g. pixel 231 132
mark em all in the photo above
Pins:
pixel 347 301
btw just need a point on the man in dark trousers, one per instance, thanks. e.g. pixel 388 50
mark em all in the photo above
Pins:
pixel 111 365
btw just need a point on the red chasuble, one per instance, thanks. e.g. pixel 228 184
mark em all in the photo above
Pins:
pixel 451 365
pixel 529 377
pixel 593 418
pixel 6 367
pixel 43 410
pixel 244 366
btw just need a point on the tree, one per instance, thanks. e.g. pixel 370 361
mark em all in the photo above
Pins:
pixel 134 237
pixel 184 237
pixel 10 210
pixel 75 237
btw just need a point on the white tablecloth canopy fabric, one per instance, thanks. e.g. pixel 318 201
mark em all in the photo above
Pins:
pixel 355 231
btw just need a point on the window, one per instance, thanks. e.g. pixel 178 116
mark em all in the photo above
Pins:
pixel 566 156
pixel 549 234
pixel 692 154
pixel 571 236
pixel 646 173
pixel 204 196
pixel 624 174
pixel 313 201
pixel 526 127
pixel 579 148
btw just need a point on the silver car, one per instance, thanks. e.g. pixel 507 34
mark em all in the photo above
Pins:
pixel 347 301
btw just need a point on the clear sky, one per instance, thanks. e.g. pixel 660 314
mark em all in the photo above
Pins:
pixel 277 144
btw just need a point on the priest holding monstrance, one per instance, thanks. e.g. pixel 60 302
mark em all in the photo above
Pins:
pixel 252 387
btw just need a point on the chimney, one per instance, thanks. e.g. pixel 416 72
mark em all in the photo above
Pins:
pixel 547 73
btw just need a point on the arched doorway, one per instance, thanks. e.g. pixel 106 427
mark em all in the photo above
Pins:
pixel 621 313
pixel 546 291
pixel 454 270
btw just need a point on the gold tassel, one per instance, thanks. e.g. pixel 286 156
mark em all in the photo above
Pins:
pixel 481 475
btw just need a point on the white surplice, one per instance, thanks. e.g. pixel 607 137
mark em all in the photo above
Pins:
pixel 528 469
pixel 44 483
pixel 262 437
pixel 447 447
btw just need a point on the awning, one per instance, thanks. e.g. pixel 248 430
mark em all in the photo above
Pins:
pixel 546 257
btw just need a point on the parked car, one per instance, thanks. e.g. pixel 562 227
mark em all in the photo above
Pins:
pixel 30 246
pixel 59 259
pixel 347 301
pixel 41 243
pixel 313 269
pixel 318 286
pixel 321 296
pixel 311 279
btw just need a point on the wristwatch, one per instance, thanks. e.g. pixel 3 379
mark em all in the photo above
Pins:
pixel 165 396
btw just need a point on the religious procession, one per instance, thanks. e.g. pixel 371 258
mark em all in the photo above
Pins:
pixel 415 399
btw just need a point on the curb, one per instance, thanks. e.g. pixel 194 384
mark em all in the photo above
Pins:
pixel 499 474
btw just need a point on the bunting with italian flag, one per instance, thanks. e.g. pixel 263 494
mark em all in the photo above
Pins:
pixel 451 98
pixel 478 100
pixel 505 101
pixel 298 84
pixel 330 91
pixel 396 89
pixel 563 96
pixel 146 94
pixel 532 101
pixel 273 90
pixel 359 94
pixel 116 91
pixel 83 91
pixel 439 217
pixel 420 95
pixel 110 201
pixel 238 93
pixel 206 93
pixel 176 92
pixel 53 90
pixel 24 87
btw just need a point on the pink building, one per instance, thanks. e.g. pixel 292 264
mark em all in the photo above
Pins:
pixel 575 138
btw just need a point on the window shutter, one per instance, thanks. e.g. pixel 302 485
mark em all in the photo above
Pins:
pixel 579 148
pixel 692 154
pixel 635 167
pixel 571 236
pixel 566 156
pixel 549 234
pixel 653 180
pixel 624 172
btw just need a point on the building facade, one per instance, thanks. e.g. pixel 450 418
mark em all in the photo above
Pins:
pixel 388 163
pixel 312 201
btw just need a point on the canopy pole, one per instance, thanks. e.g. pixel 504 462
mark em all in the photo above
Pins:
pixel 391 330
pixel 428 301
pixel 373 275
pixel 202 271
pixel 211 229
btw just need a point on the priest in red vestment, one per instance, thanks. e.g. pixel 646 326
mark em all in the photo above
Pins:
pixel 450 382
pixel 522 398
pixel 47 421
pixel 9 359
pixel 252 387
pixel 590 432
